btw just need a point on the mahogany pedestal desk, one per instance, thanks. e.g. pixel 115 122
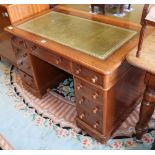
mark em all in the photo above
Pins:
pixel 52 45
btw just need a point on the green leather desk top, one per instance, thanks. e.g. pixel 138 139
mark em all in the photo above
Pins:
pixel 91 37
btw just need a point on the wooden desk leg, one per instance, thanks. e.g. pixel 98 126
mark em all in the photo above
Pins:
pixel 146 111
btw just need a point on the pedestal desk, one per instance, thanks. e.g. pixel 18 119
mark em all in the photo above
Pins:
pixel 54 44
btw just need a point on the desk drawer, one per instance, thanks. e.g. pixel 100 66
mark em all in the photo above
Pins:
pixel 50 57
pixel 27 79
pixel 18 41
pixel 89 75
pixel 90 119
pixel 94 108
pixel 88 91
pixel 22 60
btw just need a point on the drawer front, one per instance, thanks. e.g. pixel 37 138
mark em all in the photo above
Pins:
pixel 94 109
pixel 27 79
pixel 89 75
pixel 50 57
pixel 22 60
pixel 90 92
pixel 18 41
pixel 88 118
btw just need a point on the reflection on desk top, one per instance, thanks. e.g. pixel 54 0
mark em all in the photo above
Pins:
pixel 91 37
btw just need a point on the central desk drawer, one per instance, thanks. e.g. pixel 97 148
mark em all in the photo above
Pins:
pixel 50 57
pixel 87 74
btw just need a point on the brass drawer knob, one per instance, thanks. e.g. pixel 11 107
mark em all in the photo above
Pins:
pixel 58 61
pixel 95 125
pixel 82 115
pixel 79 86
pixel 95 110
pixel 81 100
pixel 94 79
pixel 95 95
pixel 78 71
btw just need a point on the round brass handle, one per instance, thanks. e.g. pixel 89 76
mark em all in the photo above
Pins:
pixel 94 79
pixel 95 110
pixel 78 71
pixel 58 61
pixel 82 115
pixel 95 95
pixel 79 86
pixel 81 100
pixel 95 125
